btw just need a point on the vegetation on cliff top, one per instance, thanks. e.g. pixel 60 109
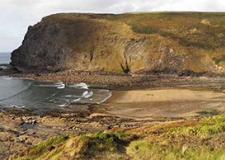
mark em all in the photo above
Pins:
pixel 188 140
pixel 180 43
pixel 194 31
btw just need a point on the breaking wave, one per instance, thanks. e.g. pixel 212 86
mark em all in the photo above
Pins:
pixel 79 86
pixel 19 93
pixel 87 94
pixel 58 85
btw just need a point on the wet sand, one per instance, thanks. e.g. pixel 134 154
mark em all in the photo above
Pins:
pixel 142 97
pixel 165 103
pixel 160 95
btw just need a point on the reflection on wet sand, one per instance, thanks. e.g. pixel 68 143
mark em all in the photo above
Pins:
pixel 170 103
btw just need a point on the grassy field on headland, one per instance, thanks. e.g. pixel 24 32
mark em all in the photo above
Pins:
pixel 202 139
pixel 172 43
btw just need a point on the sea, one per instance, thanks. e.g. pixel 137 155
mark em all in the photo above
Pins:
pixel 5 57
pixel 41 97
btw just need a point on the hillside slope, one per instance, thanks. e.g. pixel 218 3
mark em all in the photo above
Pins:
pixel 171 43
pixel 189 140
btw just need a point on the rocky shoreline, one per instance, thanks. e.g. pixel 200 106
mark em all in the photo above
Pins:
pixel 21 129
pixel 22 135
pixel 119 81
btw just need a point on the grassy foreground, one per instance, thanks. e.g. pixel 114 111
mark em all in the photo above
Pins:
pixel 202 139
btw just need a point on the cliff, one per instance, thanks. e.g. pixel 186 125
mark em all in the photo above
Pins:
pixel 177 43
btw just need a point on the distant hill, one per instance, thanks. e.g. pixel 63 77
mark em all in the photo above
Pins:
pixel 172 43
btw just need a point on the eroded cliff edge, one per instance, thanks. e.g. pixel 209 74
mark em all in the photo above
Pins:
pixel 177 43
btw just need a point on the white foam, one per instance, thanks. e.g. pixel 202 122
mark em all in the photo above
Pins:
pixel 71 96
pixel 3 67
pixel 87 94
pixel 59 85
pixel 7 78
pixel 76 100
pixel 106 98
pixel 79 93
pixel 16 106
pixel 63 105
pixel 79 86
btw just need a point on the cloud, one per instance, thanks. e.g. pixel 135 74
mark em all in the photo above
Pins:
pixel 17 15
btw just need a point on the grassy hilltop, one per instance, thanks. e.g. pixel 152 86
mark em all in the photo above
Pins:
pixel 177 43
pixel 189 140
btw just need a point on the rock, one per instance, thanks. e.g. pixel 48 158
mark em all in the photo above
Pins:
pixel 118 44
pixel 96 115
pixel 206 22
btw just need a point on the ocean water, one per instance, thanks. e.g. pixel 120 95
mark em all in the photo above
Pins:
pixel 43 96
pixel 4 58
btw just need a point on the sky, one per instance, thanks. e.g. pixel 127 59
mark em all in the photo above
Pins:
pixel 17 15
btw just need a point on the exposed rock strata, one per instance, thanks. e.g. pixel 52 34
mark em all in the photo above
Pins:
pixel 111 43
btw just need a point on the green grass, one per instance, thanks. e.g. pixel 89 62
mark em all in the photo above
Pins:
pixel 107 143
pixel 100 146
pixel 43 147
pixel 143 150
pixel 206 128
pixel 201 141
pixel 47 145
pixel 189 140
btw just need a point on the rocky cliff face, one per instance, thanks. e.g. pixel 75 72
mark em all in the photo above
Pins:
pixel 135 43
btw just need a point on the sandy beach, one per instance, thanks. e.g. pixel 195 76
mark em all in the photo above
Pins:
pixel 165 103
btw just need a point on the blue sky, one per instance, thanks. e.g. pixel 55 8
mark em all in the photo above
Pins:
pixel 17 15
